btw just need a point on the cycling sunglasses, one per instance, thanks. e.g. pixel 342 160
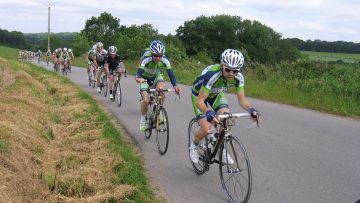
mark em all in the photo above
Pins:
pixel 157 56
pixel 230 70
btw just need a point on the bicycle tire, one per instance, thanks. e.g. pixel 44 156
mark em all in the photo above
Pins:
pixel 148 131
pixel 90 79
pixel 118 94
pixel 105 86
pixel 93 79
pixel 162 131
pixel 235 178
pixel 202 166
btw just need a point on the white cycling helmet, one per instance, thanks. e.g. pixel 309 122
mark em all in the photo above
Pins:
pixel 112 50
pixel 94 46
pixel 69 50
pixel 99 45
pixel 157 48
pixel 65 49
pixel 232 59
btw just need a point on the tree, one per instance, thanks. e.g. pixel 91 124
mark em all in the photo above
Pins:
pixel 13 39
pixel 209 34
pixel 55 42
pixel 217 33
pixel 80 45
pixel 131 41
pixel 104 28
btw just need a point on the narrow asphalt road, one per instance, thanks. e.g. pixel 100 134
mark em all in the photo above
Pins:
pixel 296 155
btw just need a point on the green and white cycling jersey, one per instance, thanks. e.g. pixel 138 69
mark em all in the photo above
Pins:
pixel 91 54
pixel 58 54
pixel 151 69
pixel 65 55
pixel 215 84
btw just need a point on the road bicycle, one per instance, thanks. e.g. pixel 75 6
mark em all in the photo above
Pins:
pixel 65 67
pixel 117 89
pixel 234 167
pixel 103 81
pixel 157 119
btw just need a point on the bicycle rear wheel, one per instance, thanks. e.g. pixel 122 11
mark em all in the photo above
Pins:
pixel 236 176
pixel 200 167
pixel 162 131
pixel 118 95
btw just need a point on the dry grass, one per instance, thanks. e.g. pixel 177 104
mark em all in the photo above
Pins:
pixel 51 155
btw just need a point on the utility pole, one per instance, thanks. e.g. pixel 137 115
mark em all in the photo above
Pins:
pixel 49 5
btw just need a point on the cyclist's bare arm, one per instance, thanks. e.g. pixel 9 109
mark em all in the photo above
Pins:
pixel 94 61
pixel 107 69
pixel 243 101
pixel 122 65
pixel 200 101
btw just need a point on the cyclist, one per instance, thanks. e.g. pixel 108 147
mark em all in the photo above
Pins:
pixel 99 61
pixel 149 74
pixel 58 53
pixel 71 58
pixel 48 56
pixel 39 55
pixel 90 58
pixel 209 88
pixel 113 63
pixel 65 58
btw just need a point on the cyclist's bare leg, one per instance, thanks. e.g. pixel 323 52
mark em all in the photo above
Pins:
pixel 145 102
pixel 98 74
pixel 161 85
pixel 206 126
pixel 111 80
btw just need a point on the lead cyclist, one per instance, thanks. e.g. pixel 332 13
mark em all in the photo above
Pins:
pixel 209 88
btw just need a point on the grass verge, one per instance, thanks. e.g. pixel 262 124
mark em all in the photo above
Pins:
pixel 57 144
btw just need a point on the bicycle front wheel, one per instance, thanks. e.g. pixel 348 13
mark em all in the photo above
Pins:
pixel 235 171
pixel 118 94
pixel 162 131
pixel 202 166
pixel 105 88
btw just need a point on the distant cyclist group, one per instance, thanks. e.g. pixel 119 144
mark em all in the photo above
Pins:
pixel 210 105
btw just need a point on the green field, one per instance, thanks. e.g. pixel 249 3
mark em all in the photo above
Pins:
pixel 329 56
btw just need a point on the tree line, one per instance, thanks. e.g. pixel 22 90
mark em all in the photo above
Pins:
pixel 13 39
pixel 203 38
pixel 324 46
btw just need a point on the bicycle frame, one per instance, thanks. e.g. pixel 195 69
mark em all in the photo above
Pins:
pixel 222 133
pixel 155 97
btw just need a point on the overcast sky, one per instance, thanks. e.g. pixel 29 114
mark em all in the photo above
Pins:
pixel 329 20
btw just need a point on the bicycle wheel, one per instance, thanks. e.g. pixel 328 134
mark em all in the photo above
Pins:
pixel 201 166
pixel 162 131
pixel 90 78
pixel 105 86
pixel 118 95
pixel 93 78
pixel 149 122
pixel 236 176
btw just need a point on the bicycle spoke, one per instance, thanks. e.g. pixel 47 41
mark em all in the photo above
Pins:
pixel 201 166
pixel 162 131
pixel 235 177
